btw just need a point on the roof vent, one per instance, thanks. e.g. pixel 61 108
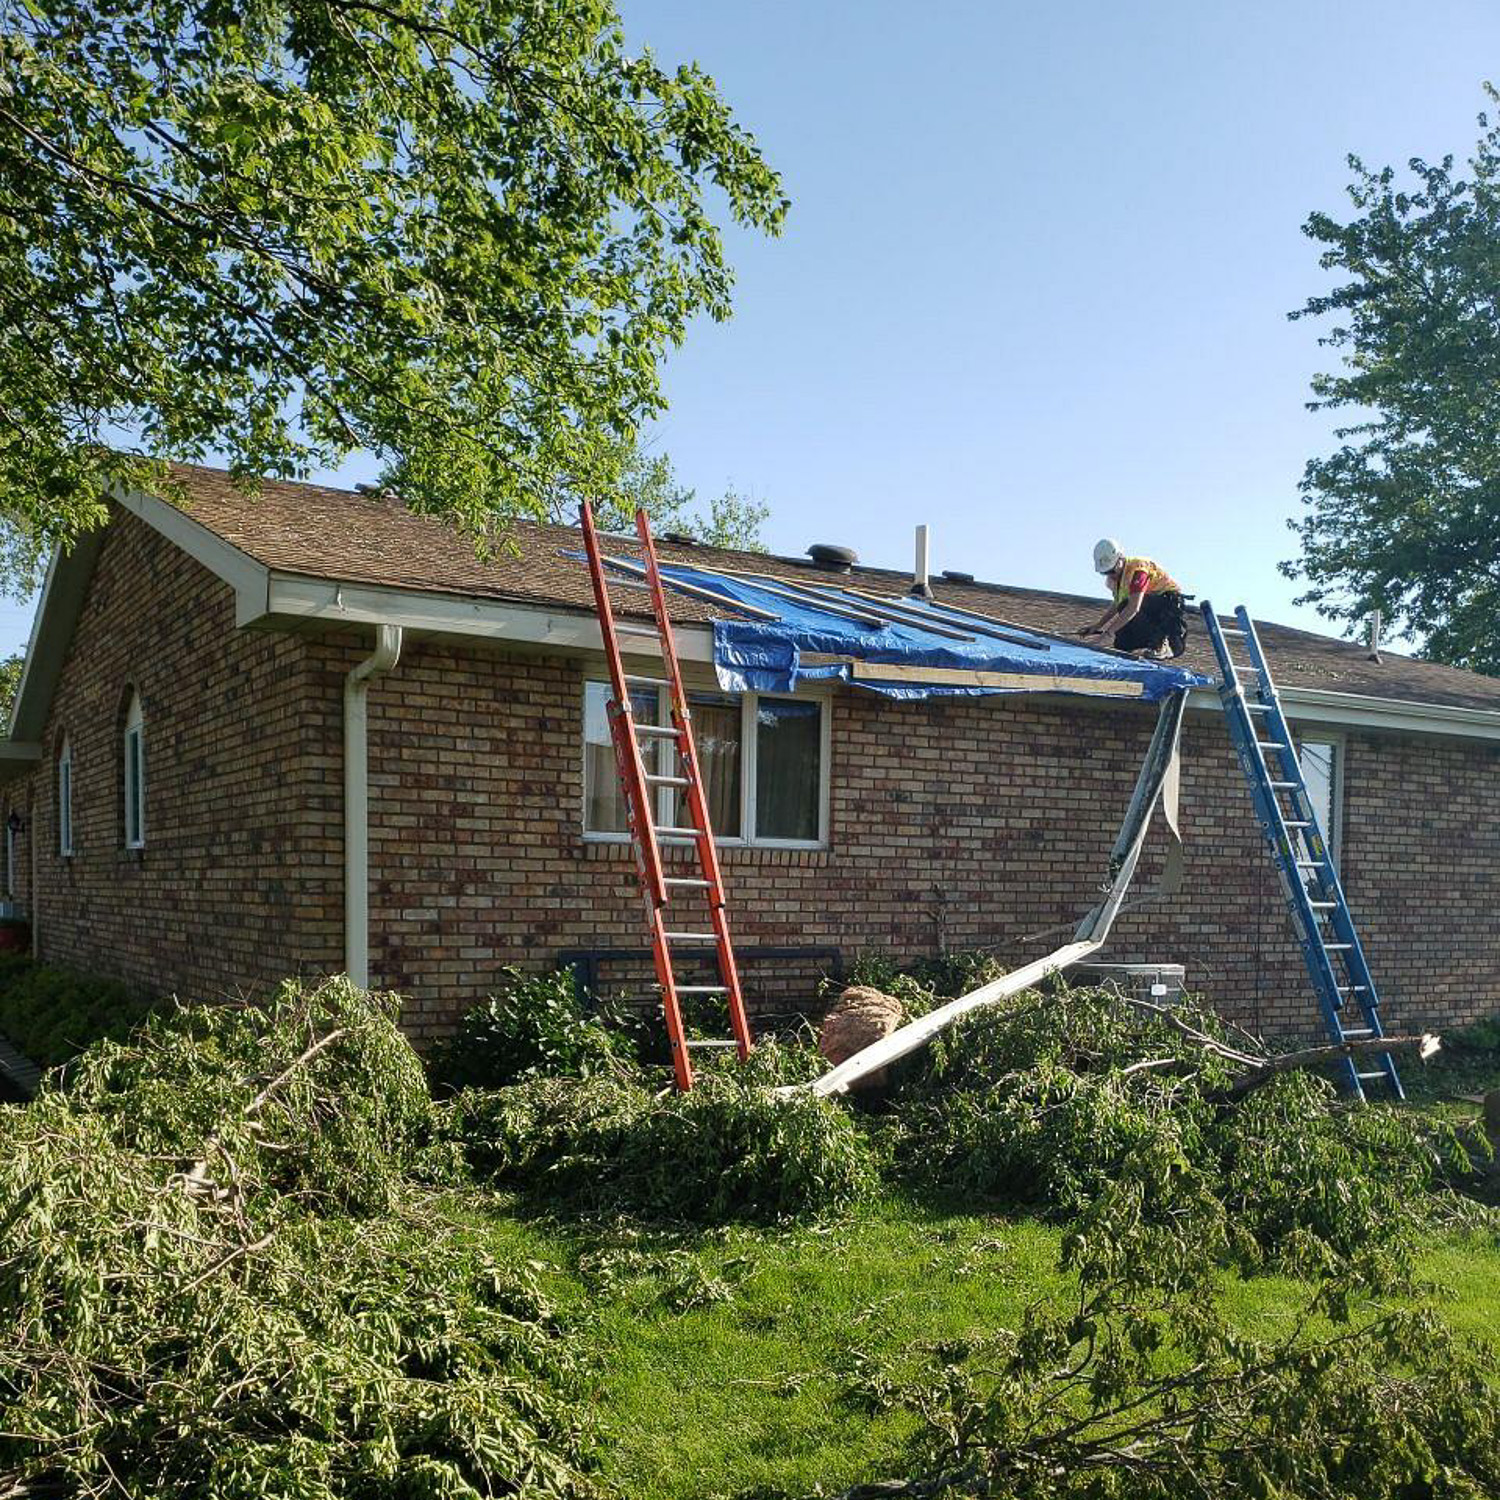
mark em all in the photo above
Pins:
pixel 953 576
pixel 679 538
pixel 832 559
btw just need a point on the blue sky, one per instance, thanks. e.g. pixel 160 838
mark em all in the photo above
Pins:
pixel 1034 284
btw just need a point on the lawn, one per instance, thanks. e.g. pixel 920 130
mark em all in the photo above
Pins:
pixel 735 1360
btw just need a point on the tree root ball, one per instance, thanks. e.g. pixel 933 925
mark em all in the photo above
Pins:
pixel 859 1017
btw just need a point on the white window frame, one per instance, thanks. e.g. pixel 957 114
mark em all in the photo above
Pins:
pixel 749 703
pixel 1334 835
pixel 134 796
pixel 65 799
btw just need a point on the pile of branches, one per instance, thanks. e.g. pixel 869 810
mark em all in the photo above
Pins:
pixel 1041 1105
pixel 225 1271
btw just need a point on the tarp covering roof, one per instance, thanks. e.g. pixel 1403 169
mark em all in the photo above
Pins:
pixel 903 646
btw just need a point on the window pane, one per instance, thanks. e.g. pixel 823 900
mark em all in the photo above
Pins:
pixel 788 743
pixel 1319 762
pixel 717 732
pixel 604 802
pixel 134 786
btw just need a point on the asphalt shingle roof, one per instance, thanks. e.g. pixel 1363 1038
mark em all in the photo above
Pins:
pixel 316 531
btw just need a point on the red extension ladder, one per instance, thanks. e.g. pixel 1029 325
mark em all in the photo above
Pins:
pixel 666 895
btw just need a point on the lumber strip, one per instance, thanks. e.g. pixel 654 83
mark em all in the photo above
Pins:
pixel 1031 682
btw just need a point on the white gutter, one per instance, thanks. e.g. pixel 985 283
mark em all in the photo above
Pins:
pixel 357 801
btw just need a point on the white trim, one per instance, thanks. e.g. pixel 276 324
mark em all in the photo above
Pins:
pixel 65 844
pixel 1360 711
pixel 747 838
pixel 247 577
pixel 133 804
pixel 294 598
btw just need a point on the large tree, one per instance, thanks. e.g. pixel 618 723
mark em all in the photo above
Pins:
pixel 459 234
pixel 1404 515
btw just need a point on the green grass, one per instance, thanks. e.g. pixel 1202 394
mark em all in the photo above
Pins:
pixel 724 1359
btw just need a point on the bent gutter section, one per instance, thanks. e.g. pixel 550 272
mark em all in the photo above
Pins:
pixel 1157 782
pixel 357 801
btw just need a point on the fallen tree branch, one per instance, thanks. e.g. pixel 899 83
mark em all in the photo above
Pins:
pixel 1424 1046
pixel 1193 1034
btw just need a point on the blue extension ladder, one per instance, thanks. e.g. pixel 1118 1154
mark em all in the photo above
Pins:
pixel 1314 896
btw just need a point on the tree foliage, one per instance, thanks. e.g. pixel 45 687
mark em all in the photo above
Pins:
pixel 1404 515
pixel 459 234
pixel 223 1276
pixel 648 481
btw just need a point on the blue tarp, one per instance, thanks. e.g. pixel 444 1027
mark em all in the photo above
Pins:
pixel 770 656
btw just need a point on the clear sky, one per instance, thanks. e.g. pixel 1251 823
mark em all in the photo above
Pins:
pixel 1034 284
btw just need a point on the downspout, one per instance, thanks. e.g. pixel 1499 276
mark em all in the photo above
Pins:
pixel 357 801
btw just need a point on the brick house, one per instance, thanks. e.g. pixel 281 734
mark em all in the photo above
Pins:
pixel 230 703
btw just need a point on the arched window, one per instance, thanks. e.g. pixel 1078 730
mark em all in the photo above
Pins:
pixel 134 762
pixel 65 799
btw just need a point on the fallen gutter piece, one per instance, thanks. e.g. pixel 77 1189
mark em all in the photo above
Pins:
pixel 1158 775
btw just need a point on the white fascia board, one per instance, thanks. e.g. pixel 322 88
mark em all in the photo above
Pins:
pixel 295 598
pixel 247 577
pixel 292 598
pixel 1360 711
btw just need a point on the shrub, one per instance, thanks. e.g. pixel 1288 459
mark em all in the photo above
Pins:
pixel 536 1026
pixel 51 1013
pixel 189 1308
pixel 728 1149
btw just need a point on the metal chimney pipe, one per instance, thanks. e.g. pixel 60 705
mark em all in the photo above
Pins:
pixel 1375 635
pixel 920 586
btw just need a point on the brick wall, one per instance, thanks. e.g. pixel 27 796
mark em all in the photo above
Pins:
pixel 954 823
pixel 214 902
pixel 959 823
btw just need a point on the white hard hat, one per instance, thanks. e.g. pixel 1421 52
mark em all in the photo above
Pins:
pixel 1106 554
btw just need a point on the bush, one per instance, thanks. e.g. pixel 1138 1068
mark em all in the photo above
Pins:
pixel 729 1149
pixel 51 1013
pixel 219 1279
pixel 535 1026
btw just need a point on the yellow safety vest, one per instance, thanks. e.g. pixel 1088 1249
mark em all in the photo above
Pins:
pixel 1159 581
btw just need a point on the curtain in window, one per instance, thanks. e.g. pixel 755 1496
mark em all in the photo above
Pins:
pixel 717 732
pixel 604 802
pixel 789 748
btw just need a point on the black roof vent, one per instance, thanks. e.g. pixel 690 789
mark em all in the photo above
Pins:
pixel 832 559
pixel 955 577
pixel 679 538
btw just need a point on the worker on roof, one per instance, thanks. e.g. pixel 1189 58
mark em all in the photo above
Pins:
pixel 1147 615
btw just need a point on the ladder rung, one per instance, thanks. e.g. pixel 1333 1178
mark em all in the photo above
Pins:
pixel 691 937
pixel 1258 708
pixel 1367 1077
pixel 714 1042
pixel 1230 630
pixel 658 729
pixel 625 628
pixel 702 989
pixel 1298 823
pixel 1311 864
pixel 1284 786
pixel 1355 1033
pixel 1337 947
pixel 697 882
pixel 1349 989
pixel 656 780
pixel 1270 745
pixel 1236 667
pixel 681 833
pixel 1324 905
pixel 647 681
